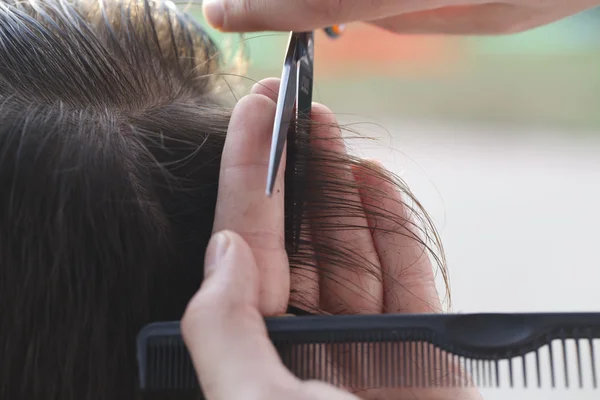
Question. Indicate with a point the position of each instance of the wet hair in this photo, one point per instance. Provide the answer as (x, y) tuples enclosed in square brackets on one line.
[(111, 131)]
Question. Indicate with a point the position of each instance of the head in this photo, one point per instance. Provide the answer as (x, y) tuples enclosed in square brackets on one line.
[(111, 132)]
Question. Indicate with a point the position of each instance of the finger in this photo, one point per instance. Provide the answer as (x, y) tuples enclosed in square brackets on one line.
[(242, 205), (224, 330), (408, 279), (304, 278), (350, 279), (488, 19), (304, 15), (267, 87)]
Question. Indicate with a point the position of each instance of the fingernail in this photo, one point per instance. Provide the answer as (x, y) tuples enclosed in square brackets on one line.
[(216, 250), (214, 12)]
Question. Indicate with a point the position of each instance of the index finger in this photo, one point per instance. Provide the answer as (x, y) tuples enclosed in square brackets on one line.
[(407, 272), (242, 205), (305, 15)]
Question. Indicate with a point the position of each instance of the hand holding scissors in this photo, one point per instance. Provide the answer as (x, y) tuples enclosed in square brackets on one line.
[(402, 16)]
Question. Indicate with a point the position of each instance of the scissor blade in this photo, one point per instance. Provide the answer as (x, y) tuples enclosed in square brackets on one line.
[(284, 113)]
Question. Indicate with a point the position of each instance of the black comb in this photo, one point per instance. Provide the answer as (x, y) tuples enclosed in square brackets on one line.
[(425, 350)]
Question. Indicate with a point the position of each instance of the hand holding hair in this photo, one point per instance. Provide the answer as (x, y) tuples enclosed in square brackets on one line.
[(401, 16), (227, 338), (247, 274)]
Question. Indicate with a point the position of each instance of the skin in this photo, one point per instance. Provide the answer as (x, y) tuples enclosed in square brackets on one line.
[(401, 16), (248, 277)]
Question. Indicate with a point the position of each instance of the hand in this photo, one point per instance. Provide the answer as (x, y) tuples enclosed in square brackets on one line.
[(246, 276), (227, 338), (223, 326), (402, 16)]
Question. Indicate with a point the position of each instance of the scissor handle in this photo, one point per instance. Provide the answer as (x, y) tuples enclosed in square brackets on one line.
[(335, 30)]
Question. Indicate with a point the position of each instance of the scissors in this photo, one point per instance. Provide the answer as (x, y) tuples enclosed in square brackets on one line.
[(295, 98)]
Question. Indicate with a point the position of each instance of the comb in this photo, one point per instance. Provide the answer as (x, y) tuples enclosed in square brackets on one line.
[(405, 350)]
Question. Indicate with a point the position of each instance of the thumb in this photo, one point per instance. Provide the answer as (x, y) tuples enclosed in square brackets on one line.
[(223, 328)]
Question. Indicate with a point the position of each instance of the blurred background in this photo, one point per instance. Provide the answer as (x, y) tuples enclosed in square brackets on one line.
[(499, 137)]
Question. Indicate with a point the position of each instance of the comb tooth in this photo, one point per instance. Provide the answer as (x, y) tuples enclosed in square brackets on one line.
[(431, 364), (415, 363), (537, 367), (393, 367), (296, 363), (172, 365), (169, 374), (354, 375), (398, 360), (578, 351), (453, 361), (423, 363), (331, 362), (524, 371), (510, 371), (427, 365), (441, 366), (325, 353), (313, 360), (449, 367), (465, 367), (490, 366), (167, 360), (363, 352), (300, 363), (322, 357), (294, 359), (325, 358), (405, 375), (377, 372), (179, 360), (566, 366), (382, 367), (551, 355), (306, 362), (408, 361), (338, 356), (161, 362), (467, 381), (593, 360), (361, 359), (483, 374), (387, 369), (414, 373), (477, 364), (497, 371), (435, 365), (471, 364), (461, 372), (370, 366)]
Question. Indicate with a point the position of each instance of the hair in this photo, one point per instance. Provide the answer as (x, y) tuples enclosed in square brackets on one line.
[(111, 132)]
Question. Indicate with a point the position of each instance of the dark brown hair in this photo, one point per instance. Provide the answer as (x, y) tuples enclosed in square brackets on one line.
[(111, 131)]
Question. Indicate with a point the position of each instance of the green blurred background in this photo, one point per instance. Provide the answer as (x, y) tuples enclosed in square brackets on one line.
[(547, 76)]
